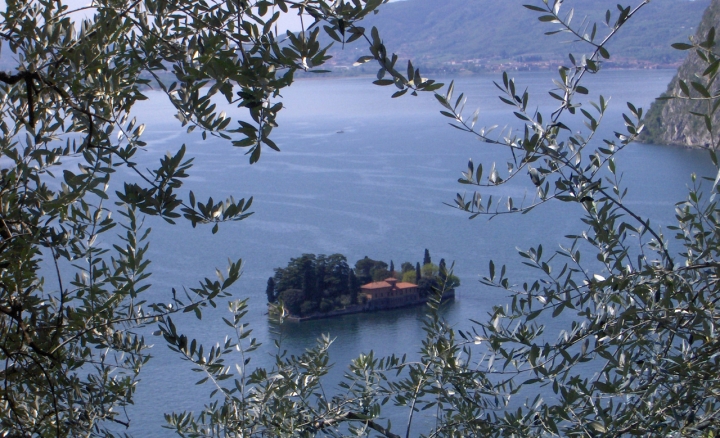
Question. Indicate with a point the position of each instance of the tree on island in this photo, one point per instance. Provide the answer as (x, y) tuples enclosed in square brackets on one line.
[(293, 300), (320, 286), (442, 271), (353, 287), (321, 278), (309, 280), (292, 276), (426, 258), (430, 270), (427, 286), (270, 291), (409, 277), (336, 278), (369, 270)]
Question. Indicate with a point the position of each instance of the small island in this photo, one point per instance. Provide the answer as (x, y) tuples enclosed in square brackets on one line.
[(320, 286)]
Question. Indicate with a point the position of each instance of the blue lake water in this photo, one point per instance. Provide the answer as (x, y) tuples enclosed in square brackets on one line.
[(362, 174)]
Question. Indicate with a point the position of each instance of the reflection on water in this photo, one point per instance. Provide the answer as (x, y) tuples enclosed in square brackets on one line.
[(360, 332)]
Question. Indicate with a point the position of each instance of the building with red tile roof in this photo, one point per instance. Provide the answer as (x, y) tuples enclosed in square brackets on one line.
[(389, 294)]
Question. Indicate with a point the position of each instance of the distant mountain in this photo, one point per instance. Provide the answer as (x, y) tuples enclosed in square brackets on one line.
[(670, 121), (482, 34)]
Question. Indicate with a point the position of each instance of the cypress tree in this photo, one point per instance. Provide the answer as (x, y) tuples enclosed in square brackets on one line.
[(426, 259), (392, 268), (353, 286), (270, 291), (442, 272), (418, 276)]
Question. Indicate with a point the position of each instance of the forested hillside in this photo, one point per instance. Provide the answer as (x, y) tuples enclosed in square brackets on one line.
[(482, 34)]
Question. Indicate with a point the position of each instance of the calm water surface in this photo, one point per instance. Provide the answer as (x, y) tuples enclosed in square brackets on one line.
[(362, 174)]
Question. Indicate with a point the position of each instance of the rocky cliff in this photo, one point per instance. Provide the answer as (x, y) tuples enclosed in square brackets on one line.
[(670, 121)]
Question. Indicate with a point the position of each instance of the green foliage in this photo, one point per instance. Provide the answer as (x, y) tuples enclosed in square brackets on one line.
[(426, 258), (406, 266), (380, 274), (632, 359), (368, 270), (353, 287), (321, 278), (637, 348), (293, 299), (430, 270), (409, 276), (638, 355), (270, 290), (427, 285), (70, 347), (326, 305), (307, 307), (292, 276), (334, 284), (336, 276)]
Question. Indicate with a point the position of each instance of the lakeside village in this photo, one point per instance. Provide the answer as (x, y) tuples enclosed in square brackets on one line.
[(319, 286)]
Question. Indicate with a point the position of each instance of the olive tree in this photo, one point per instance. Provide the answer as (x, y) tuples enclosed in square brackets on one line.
[(73, 266), (639, 354), (72, 295)]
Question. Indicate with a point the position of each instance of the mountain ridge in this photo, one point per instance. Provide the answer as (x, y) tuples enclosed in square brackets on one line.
[(477, 35)]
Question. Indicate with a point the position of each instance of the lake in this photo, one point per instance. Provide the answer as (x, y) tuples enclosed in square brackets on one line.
[(362, 174)]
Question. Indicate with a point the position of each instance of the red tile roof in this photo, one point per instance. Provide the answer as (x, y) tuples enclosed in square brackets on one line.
[(384, 284), (403, 285), (376, 285)]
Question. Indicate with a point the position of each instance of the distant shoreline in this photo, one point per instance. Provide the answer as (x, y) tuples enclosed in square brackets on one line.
[(453, 70), (459, 69)]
